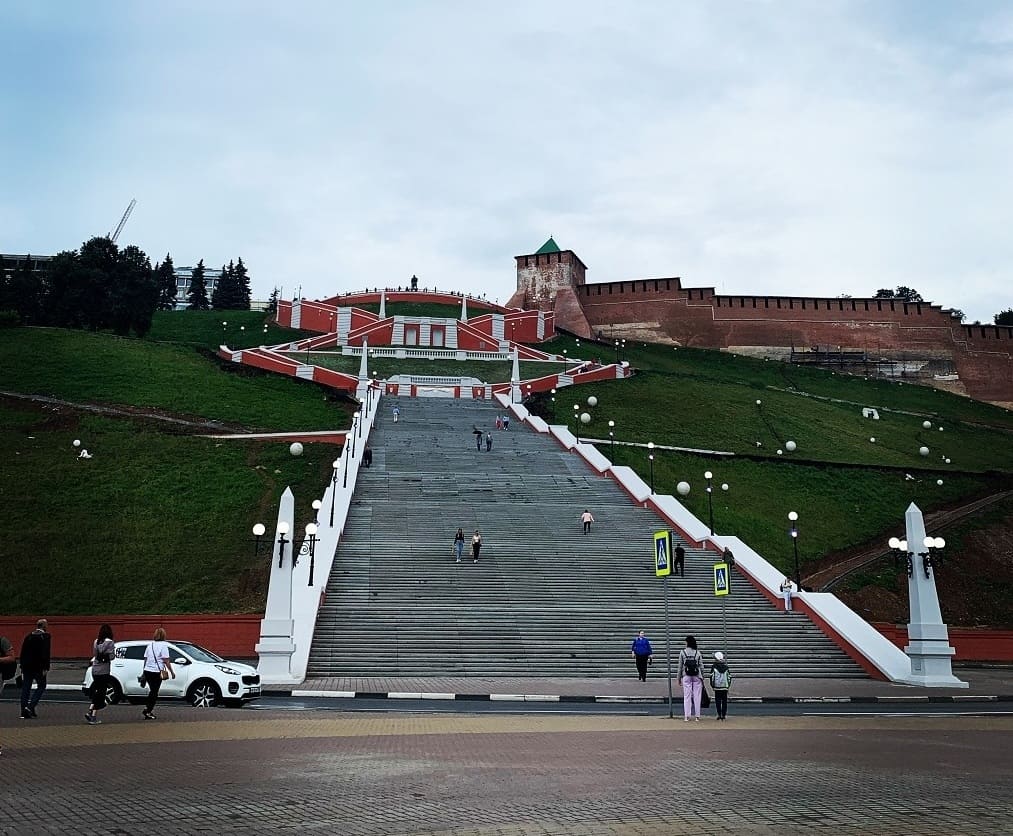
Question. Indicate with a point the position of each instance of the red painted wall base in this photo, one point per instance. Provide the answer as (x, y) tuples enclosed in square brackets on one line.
[(971, 644)]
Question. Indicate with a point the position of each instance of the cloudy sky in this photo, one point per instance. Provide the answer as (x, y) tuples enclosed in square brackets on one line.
[(784, 147)]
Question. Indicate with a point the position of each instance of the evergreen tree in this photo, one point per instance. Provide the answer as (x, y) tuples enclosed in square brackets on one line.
[(229, 298), (272, 302), (165, 277), (197, 295), (216, 294), (25, 292), (243, 282), (134, 293), (1004, 317)]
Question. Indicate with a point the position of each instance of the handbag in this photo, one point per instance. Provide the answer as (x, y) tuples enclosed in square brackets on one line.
[(705, 698)]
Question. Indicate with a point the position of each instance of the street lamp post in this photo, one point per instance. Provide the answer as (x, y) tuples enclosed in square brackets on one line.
[(710, 498), (258, 533), (576, 422), (355, 425), (617, 352), (225, 326), (282, 531), (793, 517), (311, 538), (612, 449), (335, 466), (650, 458)]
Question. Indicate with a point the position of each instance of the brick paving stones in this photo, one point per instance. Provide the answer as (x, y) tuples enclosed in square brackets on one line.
[(267, 771)]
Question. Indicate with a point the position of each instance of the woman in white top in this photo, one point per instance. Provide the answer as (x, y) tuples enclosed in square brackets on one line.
[(156, 660), (786, 587)]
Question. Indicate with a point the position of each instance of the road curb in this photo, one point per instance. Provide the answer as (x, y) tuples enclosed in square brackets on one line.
[(632, 700)]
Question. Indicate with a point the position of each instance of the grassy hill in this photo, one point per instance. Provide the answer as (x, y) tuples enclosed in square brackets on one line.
[(158, 520)]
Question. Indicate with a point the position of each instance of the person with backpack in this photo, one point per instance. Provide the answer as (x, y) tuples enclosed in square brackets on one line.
[(691, 679), (721, 682), (103, 649)]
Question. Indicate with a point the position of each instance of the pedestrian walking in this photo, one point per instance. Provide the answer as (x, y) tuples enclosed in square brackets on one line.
[(35, 655), (8, 665), (641, 651), (506, 421), (721, 682), (680, 561), (459, 544), (586, 519), (397, 412), (691, 679), (157, 667), (499, 422), (478, 438), (476, 546), (488, 442), (102, 651), (367, 457), (786, 587)]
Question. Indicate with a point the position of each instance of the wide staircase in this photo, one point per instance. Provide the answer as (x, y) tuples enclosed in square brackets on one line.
[(544, 599)]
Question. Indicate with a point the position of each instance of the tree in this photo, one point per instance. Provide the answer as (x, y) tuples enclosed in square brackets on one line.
[(133, 293), (1004, 317), (905, 294), (958, 314), (243, 282), (272, 302), (227, 295), (165, 278), (25, 292), (197, 295)]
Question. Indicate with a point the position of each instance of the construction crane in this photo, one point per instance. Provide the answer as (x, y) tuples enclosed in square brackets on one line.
[(119, 227)]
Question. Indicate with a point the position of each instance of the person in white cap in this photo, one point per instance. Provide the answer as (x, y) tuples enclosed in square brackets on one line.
[(721, 681)]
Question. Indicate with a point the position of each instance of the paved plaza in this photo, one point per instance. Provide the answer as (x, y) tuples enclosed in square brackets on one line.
[(274, 771)]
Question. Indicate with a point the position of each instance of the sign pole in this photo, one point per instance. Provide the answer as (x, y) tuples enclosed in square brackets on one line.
[(662, 569), (668, 651), (722, 578)]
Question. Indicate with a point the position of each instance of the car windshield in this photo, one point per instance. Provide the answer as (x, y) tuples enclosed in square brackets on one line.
[(198, 653)]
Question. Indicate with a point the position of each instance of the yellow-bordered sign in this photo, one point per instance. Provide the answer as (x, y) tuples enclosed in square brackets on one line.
[(662, 553), (720, 578)]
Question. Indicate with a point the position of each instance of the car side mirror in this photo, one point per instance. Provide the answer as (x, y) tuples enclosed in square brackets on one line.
[(180, 661)]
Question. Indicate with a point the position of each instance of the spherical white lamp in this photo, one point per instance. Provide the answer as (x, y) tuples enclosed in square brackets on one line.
[(758, 402), (258, 530), (790, 446), (585, 418), (872, 440), (592, 401), (923, 451), (295, 448), (893, 543), (939, 482), (682, 488), (724, 486), (77, 442), (927, 425), (780, 452)]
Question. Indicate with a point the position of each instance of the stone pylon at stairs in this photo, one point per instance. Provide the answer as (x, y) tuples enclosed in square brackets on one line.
[(544, 599)]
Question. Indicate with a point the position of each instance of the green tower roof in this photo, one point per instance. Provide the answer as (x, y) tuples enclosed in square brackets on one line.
[(549, 246)]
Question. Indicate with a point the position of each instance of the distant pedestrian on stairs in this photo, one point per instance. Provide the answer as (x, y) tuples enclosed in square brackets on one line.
[(506, 421), (499, 422), (680, 561), (587, 519), (641, 652), (488, 442), (786, 588), (478, 437), (476, 546), (397, 412), (459, 544)]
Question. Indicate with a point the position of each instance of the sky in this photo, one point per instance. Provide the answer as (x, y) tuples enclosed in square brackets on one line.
[(788, 147)]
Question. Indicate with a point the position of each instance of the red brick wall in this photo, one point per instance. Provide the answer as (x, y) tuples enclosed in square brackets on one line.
[(972, 645), (226, 635)]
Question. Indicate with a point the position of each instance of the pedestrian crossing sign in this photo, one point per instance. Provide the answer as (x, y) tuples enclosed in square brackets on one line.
[(662, 553), (720, 578)]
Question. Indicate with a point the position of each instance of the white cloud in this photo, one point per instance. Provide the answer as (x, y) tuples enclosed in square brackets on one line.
[(755, 147)]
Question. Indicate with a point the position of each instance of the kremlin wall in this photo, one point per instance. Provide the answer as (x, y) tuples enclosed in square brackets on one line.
[(916, 341)]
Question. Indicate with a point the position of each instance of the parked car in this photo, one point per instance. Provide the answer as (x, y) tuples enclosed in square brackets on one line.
[(202, 678)]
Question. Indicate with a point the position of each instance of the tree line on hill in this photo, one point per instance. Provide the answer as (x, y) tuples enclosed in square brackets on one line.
[(103, 287)]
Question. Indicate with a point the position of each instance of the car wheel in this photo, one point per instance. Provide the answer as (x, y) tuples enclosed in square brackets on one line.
[(203, 694), (114, 693)]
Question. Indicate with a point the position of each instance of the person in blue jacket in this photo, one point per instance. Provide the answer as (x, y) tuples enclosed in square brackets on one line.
[(640, 650)]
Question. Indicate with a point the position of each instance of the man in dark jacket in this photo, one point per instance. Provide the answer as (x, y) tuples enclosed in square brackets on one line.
[(35, 656)]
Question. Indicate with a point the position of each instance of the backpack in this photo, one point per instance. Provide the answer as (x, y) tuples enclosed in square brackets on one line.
[(719, 679), (692, 665)]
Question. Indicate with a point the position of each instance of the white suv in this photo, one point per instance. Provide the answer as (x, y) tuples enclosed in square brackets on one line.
[(202, 678)]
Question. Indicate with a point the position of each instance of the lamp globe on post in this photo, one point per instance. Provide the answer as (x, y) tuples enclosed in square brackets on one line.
[(650, 458), (576, 421), (283, 529), (311, 539), (258, 533), (612, 449), (335, 467), (710, 498), (793, 518)]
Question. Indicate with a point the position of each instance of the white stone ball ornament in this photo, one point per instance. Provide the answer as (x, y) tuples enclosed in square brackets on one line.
[(295, 448)]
